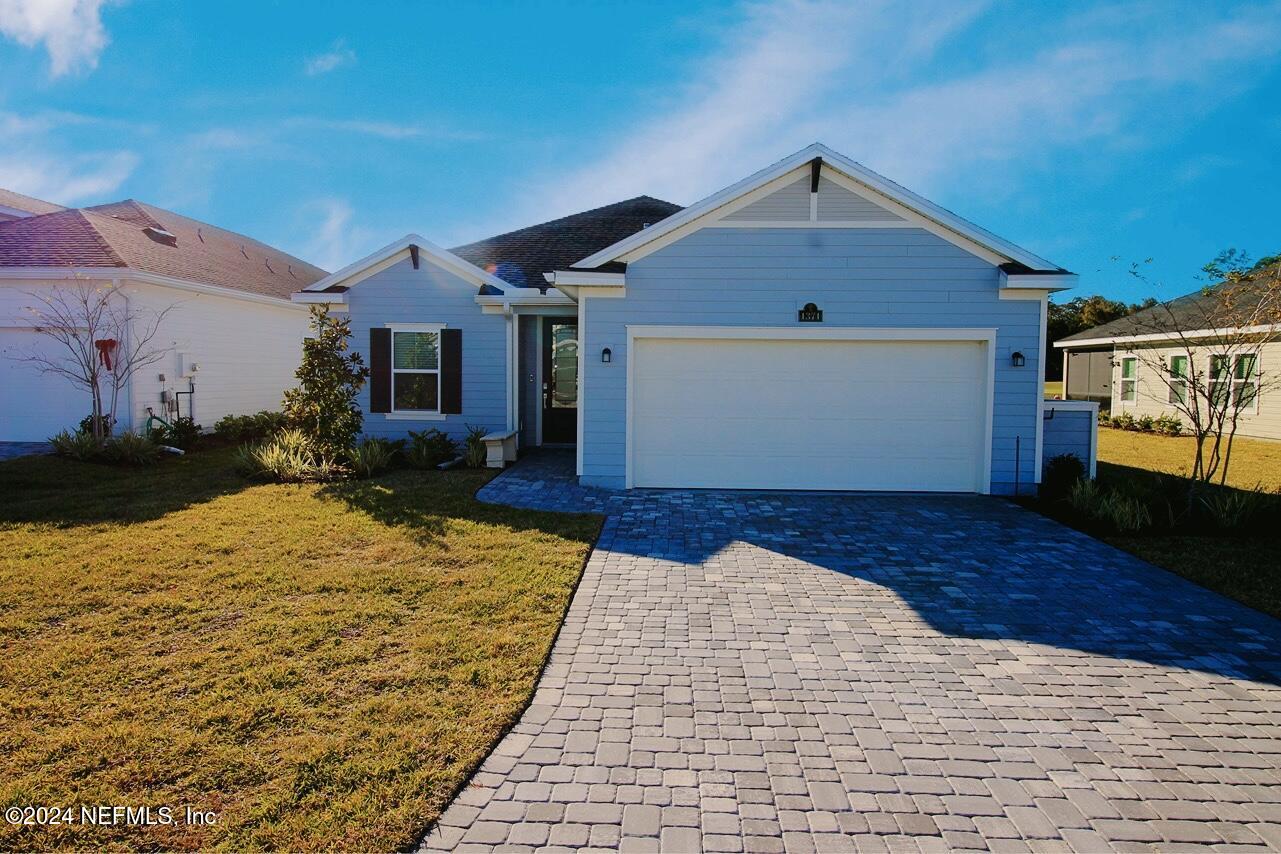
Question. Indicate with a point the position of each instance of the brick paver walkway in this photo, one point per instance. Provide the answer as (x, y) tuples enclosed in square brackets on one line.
[(769, 672)]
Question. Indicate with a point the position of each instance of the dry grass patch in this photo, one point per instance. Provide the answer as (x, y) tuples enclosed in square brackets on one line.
[(322, 665), (1254, 461)]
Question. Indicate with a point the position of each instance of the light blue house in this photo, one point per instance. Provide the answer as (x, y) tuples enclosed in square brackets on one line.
[(814, 326)]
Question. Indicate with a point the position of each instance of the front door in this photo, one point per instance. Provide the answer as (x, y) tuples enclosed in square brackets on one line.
[(560, 380)]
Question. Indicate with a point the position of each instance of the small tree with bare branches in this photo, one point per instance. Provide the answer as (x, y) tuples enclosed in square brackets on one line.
[(1205, 348), (103, 341)]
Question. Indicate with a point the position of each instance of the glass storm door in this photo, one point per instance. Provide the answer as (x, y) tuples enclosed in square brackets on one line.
[(560, 380)]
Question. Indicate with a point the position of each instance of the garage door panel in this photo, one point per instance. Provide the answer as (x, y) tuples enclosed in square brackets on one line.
[(786, 414)]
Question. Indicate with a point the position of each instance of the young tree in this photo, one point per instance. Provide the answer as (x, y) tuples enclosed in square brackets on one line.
[(324, 404), (1205, 350), (104, 340)]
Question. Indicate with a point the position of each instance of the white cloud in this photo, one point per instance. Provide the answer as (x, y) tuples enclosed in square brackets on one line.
[(35, 160), (66, 179), (335, 240), (70, 30), (334, 58), (384, 130), (882, 83)]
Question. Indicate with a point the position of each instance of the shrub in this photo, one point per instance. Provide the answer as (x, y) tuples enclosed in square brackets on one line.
[(475, 448), (1105, 419), (80, 445), (1231, 510), (1060, 474), (1124, 421), (131, 449), (1145, 423), (245, 428), (182, 433), (289, 457), (430, 448), (106, 421), (1109, 508), (1169, 425), (324, 404), (372, 456)]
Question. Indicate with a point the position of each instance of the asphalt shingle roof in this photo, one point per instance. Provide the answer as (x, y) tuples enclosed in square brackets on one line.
[(115, 235), (17, 201), (521, 257), (1184, 313)]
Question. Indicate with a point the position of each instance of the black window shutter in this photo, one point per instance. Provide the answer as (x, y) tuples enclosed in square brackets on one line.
[(451, 371), (380, 370)]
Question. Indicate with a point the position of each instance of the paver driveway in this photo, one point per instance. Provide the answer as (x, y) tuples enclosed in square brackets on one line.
[(765, 672)]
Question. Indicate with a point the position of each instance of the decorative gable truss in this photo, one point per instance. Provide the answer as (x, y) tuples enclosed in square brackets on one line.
[(832, 206), (819, 188)]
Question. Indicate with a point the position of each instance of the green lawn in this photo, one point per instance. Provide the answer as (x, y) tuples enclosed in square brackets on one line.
[(321, 665), (1245, 568)]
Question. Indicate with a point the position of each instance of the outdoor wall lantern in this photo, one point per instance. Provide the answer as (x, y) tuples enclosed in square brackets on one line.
[(1016, 359), (606, 355)]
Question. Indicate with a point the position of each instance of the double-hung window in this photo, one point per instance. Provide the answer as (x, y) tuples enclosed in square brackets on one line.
[(1178, 379), (415, 368), (1245, 382), (1220, 382), (1129, 379)]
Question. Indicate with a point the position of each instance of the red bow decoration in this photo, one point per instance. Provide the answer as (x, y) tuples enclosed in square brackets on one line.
[(106, 346)]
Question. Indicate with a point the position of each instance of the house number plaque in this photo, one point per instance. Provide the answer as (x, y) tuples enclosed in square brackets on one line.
[(810, 314)]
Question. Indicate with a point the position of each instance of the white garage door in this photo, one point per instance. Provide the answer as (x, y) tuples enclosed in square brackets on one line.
[(809, 414), (34, 406)]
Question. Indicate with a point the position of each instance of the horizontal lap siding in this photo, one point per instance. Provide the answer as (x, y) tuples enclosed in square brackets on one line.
[(248, 353), (1153, 395), (1069, 432), (401, 294), (895, 277)]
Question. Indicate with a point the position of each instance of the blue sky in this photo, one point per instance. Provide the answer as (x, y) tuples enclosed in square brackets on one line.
[(1081, 131)]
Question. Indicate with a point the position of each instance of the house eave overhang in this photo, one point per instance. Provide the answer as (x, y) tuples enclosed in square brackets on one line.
[(517, 297), (1050, 281), (1169, 336), (940, 218), (139, 276)]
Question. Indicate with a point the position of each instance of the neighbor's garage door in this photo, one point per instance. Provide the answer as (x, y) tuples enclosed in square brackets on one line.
[(34, 406), (809, 414)]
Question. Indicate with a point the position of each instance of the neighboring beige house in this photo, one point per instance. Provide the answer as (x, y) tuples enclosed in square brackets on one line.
[(1134, 385), (232, 339)]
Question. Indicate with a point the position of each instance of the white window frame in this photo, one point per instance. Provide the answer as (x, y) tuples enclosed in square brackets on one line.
[(1237, 383), (1121, 381), (416, 414), (1175, 380)]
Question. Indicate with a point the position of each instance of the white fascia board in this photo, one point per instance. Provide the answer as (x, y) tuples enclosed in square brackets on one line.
[(515, 297), (1263, 329), (108, 274), (306, 298), (392, 253), (586, 279), (1052, 282), (852, 170)]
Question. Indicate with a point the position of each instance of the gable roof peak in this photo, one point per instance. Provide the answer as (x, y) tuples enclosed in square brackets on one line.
[(932, 216)]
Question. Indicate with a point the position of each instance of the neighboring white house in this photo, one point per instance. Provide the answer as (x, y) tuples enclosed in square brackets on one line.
[(232, 337), (1110, 355)]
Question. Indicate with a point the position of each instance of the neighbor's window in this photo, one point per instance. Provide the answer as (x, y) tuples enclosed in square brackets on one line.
[(1129, 378), (1245, 381), (1178, 379), (415, 371)]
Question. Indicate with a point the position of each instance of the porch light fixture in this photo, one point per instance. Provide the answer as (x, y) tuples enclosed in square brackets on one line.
[(1016, 359), (606, 355)]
